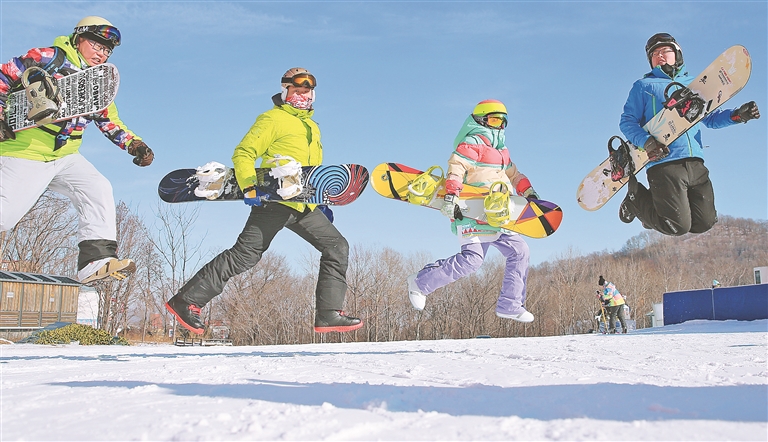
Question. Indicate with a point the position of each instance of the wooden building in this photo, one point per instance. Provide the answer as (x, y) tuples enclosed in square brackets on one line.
[(31, 300)]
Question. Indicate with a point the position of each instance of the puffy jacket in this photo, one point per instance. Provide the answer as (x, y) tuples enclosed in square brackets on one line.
[(39, 144), (481, 158), (282, 130), (611, 295), (646, 99)]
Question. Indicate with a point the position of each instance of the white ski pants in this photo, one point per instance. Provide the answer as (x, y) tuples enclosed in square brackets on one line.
[(22, 182)]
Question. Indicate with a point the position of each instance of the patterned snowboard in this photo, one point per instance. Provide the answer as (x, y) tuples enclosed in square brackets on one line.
[(720, 81), (85, 92), (334, 185), (533, 218)]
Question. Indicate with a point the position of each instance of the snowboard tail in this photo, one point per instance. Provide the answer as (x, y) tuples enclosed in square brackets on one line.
[(333, 185), (684, 108), (529, 217)]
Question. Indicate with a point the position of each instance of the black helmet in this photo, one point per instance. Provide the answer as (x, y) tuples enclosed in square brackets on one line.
[(663, 39)]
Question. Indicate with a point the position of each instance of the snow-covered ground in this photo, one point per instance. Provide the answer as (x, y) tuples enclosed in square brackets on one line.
[(695, 381)]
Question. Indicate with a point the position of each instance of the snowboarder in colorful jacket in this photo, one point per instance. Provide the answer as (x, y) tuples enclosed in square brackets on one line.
[(613, 303), (480, 158), (680, 198), (285, 138), (47, 157)]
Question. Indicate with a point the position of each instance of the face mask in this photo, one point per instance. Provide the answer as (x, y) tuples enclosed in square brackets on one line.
[(301, 102)]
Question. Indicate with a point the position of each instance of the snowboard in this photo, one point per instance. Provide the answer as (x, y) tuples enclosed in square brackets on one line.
[(82, 93), (720, 81), (333, 185), (529, 217)]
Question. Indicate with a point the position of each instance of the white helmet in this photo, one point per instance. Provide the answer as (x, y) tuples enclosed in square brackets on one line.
[(98, 29)]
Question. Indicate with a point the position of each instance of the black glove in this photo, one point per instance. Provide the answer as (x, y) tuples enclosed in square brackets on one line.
[(6, 133), (655, 150), (142, 153), (746, 112)]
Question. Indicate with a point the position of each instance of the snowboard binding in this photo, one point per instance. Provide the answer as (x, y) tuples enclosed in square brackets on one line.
[(288, 173), (687, 103), (42, 93), (422, 189), (211, 179), (620, 158), (496, 205)]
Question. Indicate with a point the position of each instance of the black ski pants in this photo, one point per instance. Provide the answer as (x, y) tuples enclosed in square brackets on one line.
[(680, 199), (263, 224)]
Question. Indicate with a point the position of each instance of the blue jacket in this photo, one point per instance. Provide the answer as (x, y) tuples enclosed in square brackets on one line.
[(646, 99)]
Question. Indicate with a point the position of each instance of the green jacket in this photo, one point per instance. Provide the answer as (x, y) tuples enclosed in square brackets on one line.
[(38, 144), (282, 130)]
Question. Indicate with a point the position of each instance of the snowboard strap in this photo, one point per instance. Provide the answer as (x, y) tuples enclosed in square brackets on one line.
[(496, 205), (620, 159), (688, 104), (423, 187)]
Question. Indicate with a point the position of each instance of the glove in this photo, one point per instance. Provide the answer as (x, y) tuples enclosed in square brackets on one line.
[(654, 149), (746, 112), (142, 153), (6, 133), (326, 211), (450, 208), (253, 196), (530, 194)]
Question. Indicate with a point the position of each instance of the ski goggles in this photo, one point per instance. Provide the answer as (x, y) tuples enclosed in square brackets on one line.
[(496, 120), (105, 32), (301, 80)]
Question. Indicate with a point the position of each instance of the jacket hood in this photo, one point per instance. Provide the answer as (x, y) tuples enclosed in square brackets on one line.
[(472, 127), (64, 42), (300, 113)]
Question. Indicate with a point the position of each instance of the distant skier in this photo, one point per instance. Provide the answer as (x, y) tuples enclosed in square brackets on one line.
[(680, 198), (47, 156), (285, 138), (480, 158), (613, 303)]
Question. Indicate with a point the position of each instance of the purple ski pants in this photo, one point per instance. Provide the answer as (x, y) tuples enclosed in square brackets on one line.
[(515, 250)]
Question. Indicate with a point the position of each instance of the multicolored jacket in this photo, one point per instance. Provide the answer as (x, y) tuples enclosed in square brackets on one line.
[(480, 158), (611, 295), (282, 130), (40, 143), (646, 99)]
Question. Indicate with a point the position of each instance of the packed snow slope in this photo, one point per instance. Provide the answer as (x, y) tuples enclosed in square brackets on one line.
[(696, 381)]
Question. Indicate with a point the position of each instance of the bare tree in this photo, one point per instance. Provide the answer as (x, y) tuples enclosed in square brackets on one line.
[(44, 240)]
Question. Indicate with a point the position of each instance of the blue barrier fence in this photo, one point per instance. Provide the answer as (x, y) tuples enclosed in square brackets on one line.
[(745, 303)]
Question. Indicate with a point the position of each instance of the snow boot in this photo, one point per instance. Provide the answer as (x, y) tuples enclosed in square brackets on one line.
[(105, 268), (627, 208), (525, 316), (187, 314), (335, 320), (418, 299)]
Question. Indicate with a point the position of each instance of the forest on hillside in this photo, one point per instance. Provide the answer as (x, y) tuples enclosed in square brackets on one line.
[(272, 304)]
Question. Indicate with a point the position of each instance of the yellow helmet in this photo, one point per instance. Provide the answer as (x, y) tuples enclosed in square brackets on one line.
[(491, 114), (486, 107), (98, 29)]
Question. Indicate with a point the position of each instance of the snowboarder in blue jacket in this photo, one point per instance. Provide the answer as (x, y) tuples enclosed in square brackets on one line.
[(680, 197)]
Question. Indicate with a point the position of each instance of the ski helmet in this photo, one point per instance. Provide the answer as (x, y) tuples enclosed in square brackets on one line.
[(663, 39), (99, 30), (298, 77), (493, 110)]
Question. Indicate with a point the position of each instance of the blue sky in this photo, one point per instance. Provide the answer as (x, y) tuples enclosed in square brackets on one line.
[(396, 81)]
